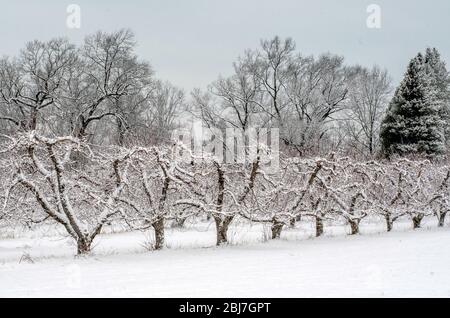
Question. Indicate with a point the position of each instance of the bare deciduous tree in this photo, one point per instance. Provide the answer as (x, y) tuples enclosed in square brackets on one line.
[(368, 99), (32, 83), (110, 71), (81, 200)]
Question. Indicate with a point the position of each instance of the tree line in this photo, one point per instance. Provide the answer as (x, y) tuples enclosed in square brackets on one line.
[(146, 187), (102, 92)]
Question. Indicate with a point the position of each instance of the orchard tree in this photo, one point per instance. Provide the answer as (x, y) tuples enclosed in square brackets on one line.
[(82, 200), (280, 198), (219, 188), (154, 182), (346, 183)]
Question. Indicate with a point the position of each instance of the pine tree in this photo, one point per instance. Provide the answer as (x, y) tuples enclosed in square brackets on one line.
[(413, 124), (440, 79)]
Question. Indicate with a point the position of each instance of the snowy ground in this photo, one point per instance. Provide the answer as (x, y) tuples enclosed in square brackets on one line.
[(403, 263)]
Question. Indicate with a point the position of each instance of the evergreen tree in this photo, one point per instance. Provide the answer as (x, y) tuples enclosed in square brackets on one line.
[(440, 79), (413, 124)]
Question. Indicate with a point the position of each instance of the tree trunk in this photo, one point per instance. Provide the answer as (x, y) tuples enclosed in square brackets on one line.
[(417, 220), (222, 225), (442, 219), (33, 120), (83, 246), (158, 226), (81, 132), (120, 132), (354, 225), (319, 226), (277, 227), (389, 223), (294, 220), (179, 222)]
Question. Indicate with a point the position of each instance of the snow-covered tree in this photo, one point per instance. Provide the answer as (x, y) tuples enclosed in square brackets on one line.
[(413, 123), (80, 197), (154, 182), (438, 191), (418, 190), (435, 67), (282, 197), (346, 183), (385, 191), (220, 188)]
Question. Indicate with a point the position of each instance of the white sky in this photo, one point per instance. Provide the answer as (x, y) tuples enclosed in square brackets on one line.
[(191, 42)]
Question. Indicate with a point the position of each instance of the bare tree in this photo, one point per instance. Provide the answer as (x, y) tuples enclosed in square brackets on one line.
[(368, 99), (272, 65), (442, 188), (154, 182), (219, 188), (81, 200), (317, 90), (282, 197), (164, 111), (32, 83), (110, 70)]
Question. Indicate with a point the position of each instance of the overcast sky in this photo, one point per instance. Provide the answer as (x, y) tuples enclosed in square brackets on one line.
[(191, 42)]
